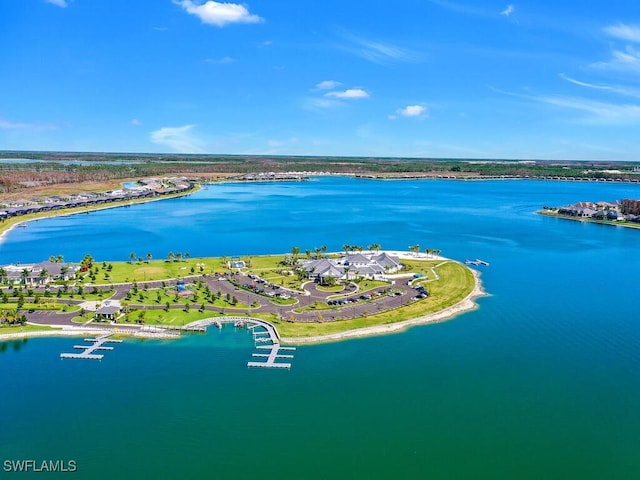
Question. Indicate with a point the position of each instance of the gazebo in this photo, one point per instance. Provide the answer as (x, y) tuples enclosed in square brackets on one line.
[(107, 312)]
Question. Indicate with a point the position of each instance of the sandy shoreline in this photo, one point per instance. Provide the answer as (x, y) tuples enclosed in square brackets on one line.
[(465, 305), (62, 332)]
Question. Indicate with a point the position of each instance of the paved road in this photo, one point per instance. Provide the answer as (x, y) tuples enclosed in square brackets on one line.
[(309, 296)]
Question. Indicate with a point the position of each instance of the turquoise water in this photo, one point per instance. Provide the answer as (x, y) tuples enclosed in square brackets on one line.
[(542, 381)]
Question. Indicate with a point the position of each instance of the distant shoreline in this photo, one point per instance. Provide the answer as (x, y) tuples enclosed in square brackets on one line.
[(9, 224), (611, 223)]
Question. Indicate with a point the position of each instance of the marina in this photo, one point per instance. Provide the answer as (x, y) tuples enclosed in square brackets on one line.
[(263, 333)]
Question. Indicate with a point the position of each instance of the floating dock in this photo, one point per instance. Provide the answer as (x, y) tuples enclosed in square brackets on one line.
[(477, 261), (87, 350), (263, 333)]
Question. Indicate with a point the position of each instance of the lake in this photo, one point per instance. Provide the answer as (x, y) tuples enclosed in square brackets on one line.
[(541, 381)]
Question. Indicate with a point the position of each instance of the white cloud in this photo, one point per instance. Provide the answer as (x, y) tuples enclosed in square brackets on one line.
[(458, 7), (9, 125), (508, 11), (624, 61), (319, 104), (630, 33), (377, 52), (602, 113), (179, 139), (219, 14), (328, 85), (631, 92), (135, 122), (58, 3), (221, 61), (627, 60), (349, 93), (415, 111)]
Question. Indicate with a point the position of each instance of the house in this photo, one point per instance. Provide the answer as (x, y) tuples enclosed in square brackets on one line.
[(615, 215), (39, 273)]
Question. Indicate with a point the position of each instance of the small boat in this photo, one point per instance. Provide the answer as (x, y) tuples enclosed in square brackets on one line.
[(22, 225)]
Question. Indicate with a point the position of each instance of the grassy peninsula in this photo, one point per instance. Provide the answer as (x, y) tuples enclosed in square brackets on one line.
[(178, 290)]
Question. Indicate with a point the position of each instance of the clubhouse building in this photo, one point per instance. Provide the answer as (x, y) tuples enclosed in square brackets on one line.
[(372, 266)]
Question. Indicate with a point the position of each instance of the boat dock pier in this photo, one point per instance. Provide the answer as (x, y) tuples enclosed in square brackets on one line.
[(263, 333), (87, 350), (477, 261)]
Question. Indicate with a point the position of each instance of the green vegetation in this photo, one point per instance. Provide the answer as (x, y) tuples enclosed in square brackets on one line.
[(107, 273), (448, 283), (333, 288), (171, 318), (455, 283), (5, 329)]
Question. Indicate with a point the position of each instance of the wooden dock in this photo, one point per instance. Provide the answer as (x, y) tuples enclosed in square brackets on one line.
[(87, 350)]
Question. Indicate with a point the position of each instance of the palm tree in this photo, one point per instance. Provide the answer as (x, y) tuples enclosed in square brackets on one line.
[(178, 256), (149, 257), (308, 253), (24, 275), (42, 275), (171, 256), (132, 257), (346, 247), (186, 255), (87, 262), (375, 246), (3, 275), (323, 248)]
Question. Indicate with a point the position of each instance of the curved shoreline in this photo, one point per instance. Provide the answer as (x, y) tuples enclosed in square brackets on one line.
[(466, 304), (5, 229)]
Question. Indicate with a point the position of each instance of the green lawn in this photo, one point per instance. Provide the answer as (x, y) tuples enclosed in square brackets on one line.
[(31, 306), (162, 296), (24, 328), (331, 289), (456, 282), (123, 272), (174, 317)]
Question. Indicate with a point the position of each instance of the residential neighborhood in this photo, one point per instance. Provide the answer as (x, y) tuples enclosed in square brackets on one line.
[(37, 274), (145, 188), (619, 211)]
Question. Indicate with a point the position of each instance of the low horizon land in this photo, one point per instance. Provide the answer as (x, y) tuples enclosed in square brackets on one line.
[(37, 174)]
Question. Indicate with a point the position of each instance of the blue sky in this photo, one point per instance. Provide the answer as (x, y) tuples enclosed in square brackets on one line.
[(422, 78)]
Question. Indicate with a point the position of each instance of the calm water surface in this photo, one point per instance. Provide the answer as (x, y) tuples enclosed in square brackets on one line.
[(542, 381)]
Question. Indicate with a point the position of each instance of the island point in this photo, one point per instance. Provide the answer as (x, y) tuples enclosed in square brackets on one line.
[(315, 296)]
